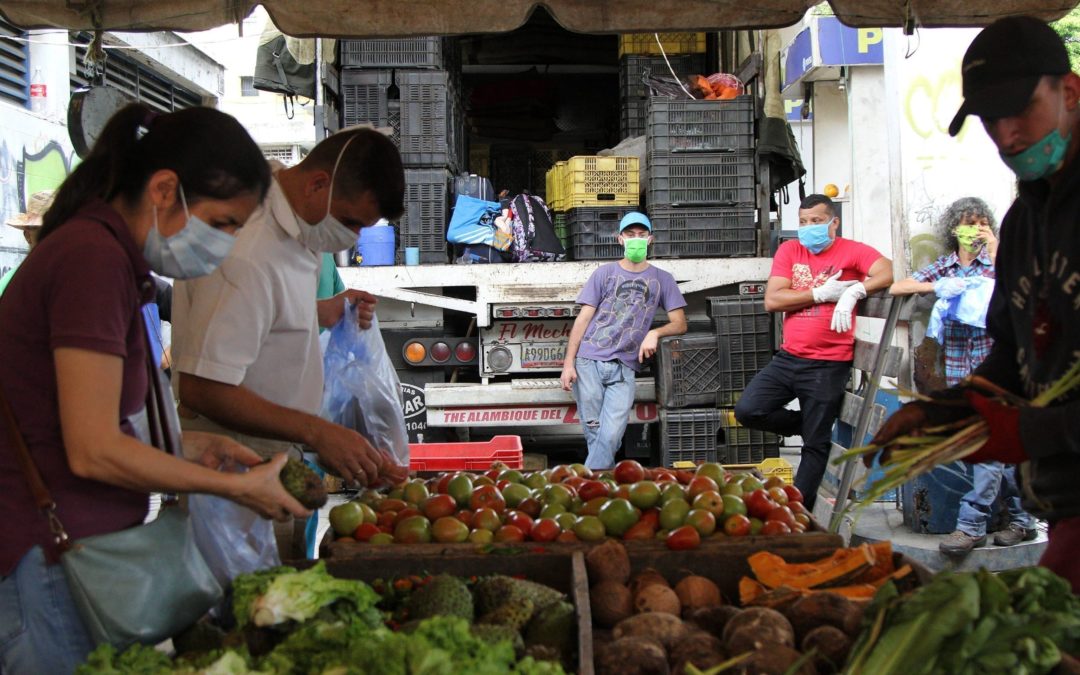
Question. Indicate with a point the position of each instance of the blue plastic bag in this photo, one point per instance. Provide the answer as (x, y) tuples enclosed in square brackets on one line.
[(362, 389), (473, 221)]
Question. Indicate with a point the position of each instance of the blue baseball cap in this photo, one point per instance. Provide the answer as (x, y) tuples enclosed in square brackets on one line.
[(635, 218)]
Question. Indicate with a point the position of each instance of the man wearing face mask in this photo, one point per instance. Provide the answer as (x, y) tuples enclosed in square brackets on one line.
[(1018, 81), (246, 345), (968, 226), (613, 335), (816, 282)]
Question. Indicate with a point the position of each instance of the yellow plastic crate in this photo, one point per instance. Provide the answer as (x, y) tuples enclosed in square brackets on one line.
[(554, 186), (773, 466), (674, 43), (600, 181)]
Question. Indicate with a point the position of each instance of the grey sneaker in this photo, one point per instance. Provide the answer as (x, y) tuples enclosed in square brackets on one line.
[(1014, 534), (959, 543)]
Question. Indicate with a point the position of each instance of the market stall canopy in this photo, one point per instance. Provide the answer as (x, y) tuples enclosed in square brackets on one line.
[(390, 18)]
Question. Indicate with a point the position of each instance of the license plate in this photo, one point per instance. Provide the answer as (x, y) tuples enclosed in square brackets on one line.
[(542, 355)]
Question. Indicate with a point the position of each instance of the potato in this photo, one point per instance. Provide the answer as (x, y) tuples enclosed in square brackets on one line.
[(667, 629), (766, 625), (631, 656), (832, 646)]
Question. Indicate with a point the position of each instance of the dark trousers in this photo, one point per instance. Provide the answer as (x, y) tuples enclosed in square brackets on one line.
[(819, 386)]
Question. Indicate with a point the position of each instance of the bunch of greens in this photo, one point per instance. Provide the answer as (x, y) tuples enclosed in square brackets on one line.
[(283, 594), (1016, 623)]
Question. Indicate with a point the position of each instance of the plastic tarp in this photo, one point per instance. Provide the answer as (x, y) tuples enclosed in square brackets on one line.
[(401, 18)]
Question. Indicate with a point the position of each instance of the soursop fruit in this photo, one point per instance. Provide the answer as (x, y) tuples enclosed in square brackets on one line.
[(444, 595), (303, 483), (514, 614), (496, 590), (554, 626)]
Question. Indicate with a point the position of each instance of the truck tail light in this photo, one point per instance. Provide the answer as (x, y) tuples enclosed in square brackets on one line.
[(444, 351), (440, 352), (415, 352), (465, 352), (500, 359)]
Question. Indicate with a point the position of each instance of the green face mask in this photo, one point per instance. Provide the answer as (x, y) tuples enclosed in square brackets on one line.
[(968, 237), (635, 249)]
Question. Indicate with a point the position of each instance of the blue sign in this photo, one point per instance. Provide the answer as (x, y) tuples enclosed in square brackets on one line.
[(841, 45), (793, 110), (799, 58)]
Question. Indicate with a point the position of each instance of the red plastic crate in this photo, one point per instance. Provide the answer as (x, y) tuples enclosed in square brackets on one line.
[(466, 456)]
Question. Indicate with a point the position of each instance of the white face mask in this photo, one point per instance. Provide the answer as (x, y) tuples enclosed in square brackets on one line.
[(329, 235)]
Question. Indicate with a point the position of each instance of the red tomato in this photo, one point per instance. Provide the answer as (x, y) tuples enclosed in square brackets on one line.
[(519, 520), (545, 529), (487, 497), (366, 531), (530, 506), (759, 504), (386, 519), (390, 505), (438, 506), (509, 533), (440, 486), (665, 476), (567, 536), (684, 477), (640, 530), (591, 489), (782, 514), (773, 527), (406, 513), (493, 474), (737, 525), (778, 495), (652, 517), (802, 519), (465, 516), (794, 494), (629, 471), (574, 482), (699, 484), (683, 538), (798, 507)]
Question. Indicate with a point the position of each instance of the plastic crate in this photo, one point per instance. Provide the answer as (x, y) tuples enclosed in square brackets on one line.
[(364, 97), (746, 446), (703, 233), (632, 120), (768, 467), (689, 435), (632, 68), (475, 456), (744, 332), (562, 230), (687, 370), (600, 181), (429, 124), (700, 126), (554, 178), (594, 231), (416, 52), (423, 224), (705, 179), (673, 43)]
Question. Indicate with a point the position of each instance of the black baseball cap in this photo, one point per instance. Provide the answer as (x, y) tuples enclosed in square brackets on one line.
[(1003, 66)]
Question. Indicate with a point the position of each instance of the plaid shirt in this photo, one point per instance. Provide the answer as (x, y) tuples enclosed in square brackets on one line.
[(965, 346)]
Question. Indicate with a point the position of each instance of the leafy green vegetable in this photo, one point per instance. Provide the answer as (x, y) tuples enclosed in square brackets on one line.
[(136, 660), (247, 587), (298, 596)]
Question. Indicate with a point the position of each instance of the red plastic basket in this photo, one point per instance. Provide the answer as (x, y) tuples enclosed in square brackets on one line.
[(466, 456)]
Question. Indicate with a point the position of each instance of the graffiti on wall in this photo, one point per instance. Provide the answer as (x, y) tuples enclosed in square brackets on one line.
[(24, 171)]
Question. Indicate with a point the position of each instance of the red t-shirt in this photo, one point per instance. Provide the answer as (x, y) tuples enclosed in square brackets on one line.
[(807, 332), (81, 287)]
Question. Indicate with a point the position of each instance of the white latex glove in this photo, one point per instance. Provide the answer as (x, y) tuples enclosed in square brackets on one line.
[(832, 289), (841, 317), (949, 287)]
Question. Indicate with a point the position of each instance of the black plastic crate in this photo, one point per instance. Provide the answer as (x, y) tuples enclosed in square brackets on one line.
[(702, 179), (744, 333), (580, 250), (717, 232), (632, 119), (423, 224), (746, 446), (633, 66), (364, 97), (740, 315), (687, 370), (594, 230), (689, 435), (416, 52), (700, 126)]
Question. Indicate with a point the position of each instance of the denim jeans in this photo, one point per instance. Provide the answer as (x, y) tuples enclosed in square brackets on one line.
[(40, 629), (819, 387), (604, 391), (977, 506)]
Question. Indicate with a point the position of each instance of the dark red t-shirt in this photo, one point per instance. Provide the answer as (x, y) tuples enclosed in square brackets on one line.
[(81, 287)]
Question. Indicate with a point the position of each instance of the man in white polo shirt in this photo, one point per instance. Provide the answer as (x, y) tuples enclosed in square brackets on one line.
[(246, 345)]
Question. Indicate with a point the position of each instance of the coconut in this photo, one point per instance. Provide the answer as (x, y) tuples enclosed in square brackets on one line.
[(647, 577), (611, 602), (632, 656), (608, 562), (657, 598), (666, 629), (697, 592)]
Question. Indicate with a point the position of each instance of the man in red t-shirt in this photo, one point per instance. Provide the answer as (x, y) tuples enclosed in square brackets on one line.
[(816, 282)]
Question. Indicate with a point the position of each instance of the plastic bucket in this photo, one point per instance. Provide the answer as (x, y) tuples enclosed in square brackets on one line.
[(376, 246)]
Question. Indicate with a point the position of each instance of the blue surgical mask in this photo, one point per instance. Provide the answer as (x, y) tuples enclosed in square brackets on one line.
[(1041, 159), (194, 251), (815, 237)]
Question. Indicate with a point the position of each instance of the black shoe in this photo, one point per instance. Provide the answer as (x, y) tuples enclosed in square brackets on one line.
[(1014, 534), (960, 543)]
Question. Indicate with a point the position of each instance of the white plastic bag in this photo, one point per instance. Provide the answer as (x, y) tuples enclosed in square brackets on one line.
[(233, 539), (362, 389)]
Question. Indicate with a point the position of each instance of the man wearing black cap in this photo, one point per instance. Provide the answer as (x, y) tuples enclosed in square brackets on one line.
[(1017, 80)]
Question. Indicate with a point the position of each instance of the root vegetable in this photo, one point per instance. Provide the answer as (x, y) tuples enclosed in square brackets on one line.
[(657, 598), (832, 647), (647, 577), (713, 619), (699, 648), (697, 592), (632, 656), (824, 609), (776, 660), (667, 629), (763, 625), (608, 562), (611, 602)]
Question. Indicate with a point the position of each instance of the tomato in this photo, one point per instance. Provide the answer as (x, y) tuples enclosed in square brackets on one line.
[(778, 495), (365, 531), (545, 529), (802, 519), (737, 525), (684, 477), (487, 497), (412, 530), (493, 474), (486, 519), (465, 516), (440, 486), (774, 481), (520, 520), (755, 526), (591, 489), (449, 530), (774, 527), (567, 536), (794, 494), (759, 504), (651, 516), (503, 484), (733, 505), (640, 530), (439, 505), (700, 484), (532, 507), (710, 501), (622, 492), (665, 476), (702, 521), (561, 473), (782, 514), (390, 505), (592, 507), (798, 507), (509, 533), (628, 471), (407, 513), (574, 482), (683, 538), (386, 519)]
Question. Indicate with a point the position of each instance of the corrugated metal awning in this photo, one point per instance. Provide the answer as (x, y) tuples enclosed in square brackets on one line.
[(369, 18)]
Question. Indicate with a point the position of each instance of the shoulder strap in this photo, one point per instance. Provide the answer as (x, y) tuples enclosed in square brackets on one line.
[(41, 495)]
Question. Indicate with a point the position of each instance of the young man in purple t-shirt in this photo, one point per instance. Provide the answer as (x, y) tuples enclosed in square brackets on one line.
[(611, 338)]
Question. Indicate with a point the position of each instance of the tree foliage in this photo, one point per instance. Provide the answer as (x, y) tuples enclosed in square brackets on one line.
[(1068, 27)]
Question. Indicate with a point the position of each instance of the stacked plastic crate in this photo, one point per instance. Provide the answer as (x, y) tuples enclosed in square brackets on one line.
[(595, 193), (702, 177), (744, 335), (412, 85), (639, 55)]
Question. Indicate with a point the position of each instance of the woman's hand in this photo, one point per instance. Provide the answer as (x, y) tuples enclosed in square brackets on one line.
[(261, 490)]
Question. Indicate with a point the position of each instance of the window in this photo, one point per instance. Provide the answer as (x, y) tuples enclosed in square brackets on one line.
[(134, 79), (247, 86), (14, 75), (286, 154)]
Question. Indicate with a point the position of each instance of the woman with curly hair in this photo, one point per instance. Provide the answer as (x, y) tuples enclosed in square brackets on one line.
[(969, 229)]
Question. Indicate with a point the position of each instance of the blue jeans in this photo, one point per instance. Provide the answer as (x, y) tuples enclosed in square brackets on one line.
[(977, 506), (40, 629), (819, 386), (604, 391)]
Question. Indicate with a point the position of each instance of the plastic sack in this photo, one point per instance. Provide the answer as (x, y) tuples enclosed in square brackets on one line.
[(233, 539), (362, 389), (473, 221)]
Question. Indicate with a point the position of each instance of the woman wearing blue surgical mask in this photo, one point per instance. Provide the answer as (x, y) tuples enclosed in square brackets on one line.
[(157, 192)]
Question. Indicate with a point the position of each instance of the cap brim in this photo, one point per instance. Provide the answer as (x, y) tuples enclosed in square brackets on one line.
[(1004, 99)]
